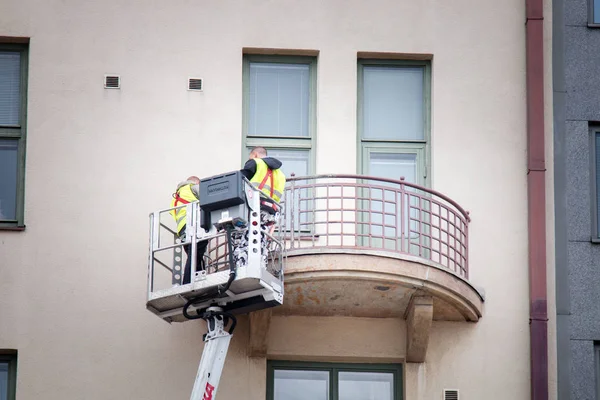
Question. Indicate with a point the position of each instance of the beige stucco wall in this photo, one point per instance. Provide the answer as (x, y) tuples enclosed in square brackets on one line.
[(72, 285)]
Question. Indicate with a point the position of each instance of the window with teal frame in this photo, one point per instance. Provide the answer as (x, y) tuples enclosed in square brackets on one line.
[(333, 381), (394, 119), (279, 109), (393, 116), (13, 122)]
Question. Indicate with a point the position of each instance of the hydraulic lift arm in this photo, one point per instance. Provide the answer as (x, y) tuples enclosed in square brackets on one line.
[(232, 207), (217, 341)]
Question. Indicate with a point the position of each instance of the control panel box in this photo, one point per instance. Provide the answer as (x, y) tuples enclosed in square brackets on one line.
[(222, 191)]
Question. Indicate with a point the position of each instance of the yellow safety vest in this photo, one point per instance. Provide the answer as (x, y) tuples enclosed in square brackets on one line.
[(269, 181), (183, 195)]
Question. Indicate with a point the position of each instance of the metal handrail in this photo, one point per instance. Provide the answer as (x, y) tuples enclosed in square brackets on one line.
[(371, 213), (294, 178)]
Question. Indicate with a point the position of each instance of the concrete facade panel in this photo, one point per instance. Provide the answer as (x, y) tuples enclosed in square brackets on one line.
[(575, 12), (583, 379), (582, 66)]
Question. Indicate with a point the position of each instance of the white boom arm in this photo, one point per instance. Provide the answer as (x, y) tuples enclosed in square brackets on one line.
[(213, 357)]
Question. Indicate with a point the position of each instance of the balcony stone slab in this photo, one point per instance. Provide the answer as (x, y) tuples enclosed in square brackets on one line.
[(367, 283)]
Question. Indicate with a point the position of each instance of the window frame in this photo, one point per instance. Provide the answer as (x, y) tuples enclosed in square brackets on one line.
[(420, 147), (595, 235), (18, 132), (591, 8), (417, 149), (11, 358), (397, 369), (597, 367), (279, 142)]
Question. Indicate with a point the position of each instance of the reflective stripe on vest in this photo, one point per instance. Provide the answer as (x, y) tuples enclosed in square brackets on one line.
[(269, 181), (184, 195)]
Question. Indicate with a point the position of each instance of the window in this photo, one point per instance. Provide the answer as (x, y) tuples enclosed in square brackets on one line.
[(393, 119), (279, 114), (594, 12), (595, 135), (597, 367), (8, 375), (13, 90), (328, 381), (279, 109), (393, 132)]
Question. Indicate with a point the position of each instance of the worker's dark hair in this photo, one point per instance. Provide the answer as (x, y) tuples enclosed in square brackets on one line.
[(260, 151)]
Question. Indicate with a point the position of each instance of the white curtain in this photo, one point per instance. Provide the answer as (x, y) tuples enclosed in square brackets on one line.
[(393, 103), (278, 99)]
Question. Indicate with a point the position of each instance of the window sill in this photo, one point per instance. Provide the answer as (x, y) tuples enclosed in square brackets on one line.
[(10, 227), (593, 24), (596, 240)]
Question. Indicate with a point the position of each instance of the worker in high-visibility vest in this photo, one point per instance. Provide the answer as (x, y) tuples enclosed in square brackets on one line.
[(265, 173), (188, 192)]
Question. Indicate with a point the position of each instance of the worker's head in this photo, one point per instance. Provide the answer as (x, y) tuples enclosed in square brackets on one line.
[(194, 179), (258, 152)]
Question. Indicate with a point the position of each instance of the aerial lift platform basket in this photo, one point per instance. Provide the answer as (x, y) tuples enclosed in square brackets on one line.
[(243, 265)]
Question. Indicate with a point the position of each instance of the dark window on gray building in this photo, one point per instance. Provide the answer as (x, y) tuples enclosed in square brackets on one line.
[(594, 15), (596, 181), (597, 364)]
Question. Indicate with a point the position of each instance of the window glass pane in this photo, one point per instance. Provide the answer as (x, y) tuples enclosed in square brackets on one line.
[(279, 98), (3, 380), (393, 166), (393, 103), (597, 11), (366, 386), (598, 183), (385, 205), (8, 179), (301, 385), (597, 357), (10, 87), (295, 161)]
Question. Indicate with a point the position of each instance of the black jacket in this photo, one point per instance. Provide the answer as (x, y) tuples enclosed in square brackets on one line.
[(250, 167)]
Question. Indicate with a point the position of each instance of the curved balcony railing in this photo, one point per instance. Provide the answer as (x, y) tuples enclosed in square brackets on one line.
[(369, 213)]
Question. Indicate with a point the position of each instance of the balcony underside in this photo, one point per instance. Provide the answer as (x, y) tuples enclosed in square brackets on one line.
[(370, 283), (363, 283)]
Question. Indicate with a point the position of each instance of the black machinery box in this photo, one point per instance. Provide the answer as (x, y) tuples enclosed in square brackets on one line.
[(222, 191)]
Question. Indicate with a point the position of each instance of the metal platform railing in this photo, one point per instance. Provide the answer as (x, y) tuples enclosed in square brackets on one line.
[(257, 258)]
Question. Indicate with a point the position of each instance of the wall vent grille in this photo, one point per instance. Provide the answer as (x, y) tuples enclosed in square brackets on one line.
[(195, 84), (112, 82)]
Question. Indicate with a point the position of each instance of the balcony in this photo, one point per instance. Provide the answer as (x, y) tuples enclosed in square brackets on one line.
[(372, 247), (355, 246)]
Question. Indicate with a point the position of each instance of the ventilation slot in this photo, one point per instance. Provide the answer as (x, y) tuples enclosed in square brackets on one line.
[(112, 82), (450, 394), (195, 84)]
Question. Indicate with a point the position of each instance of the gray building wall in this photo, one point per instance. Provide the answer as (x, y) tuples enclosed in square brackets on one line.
[(576, 80)]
